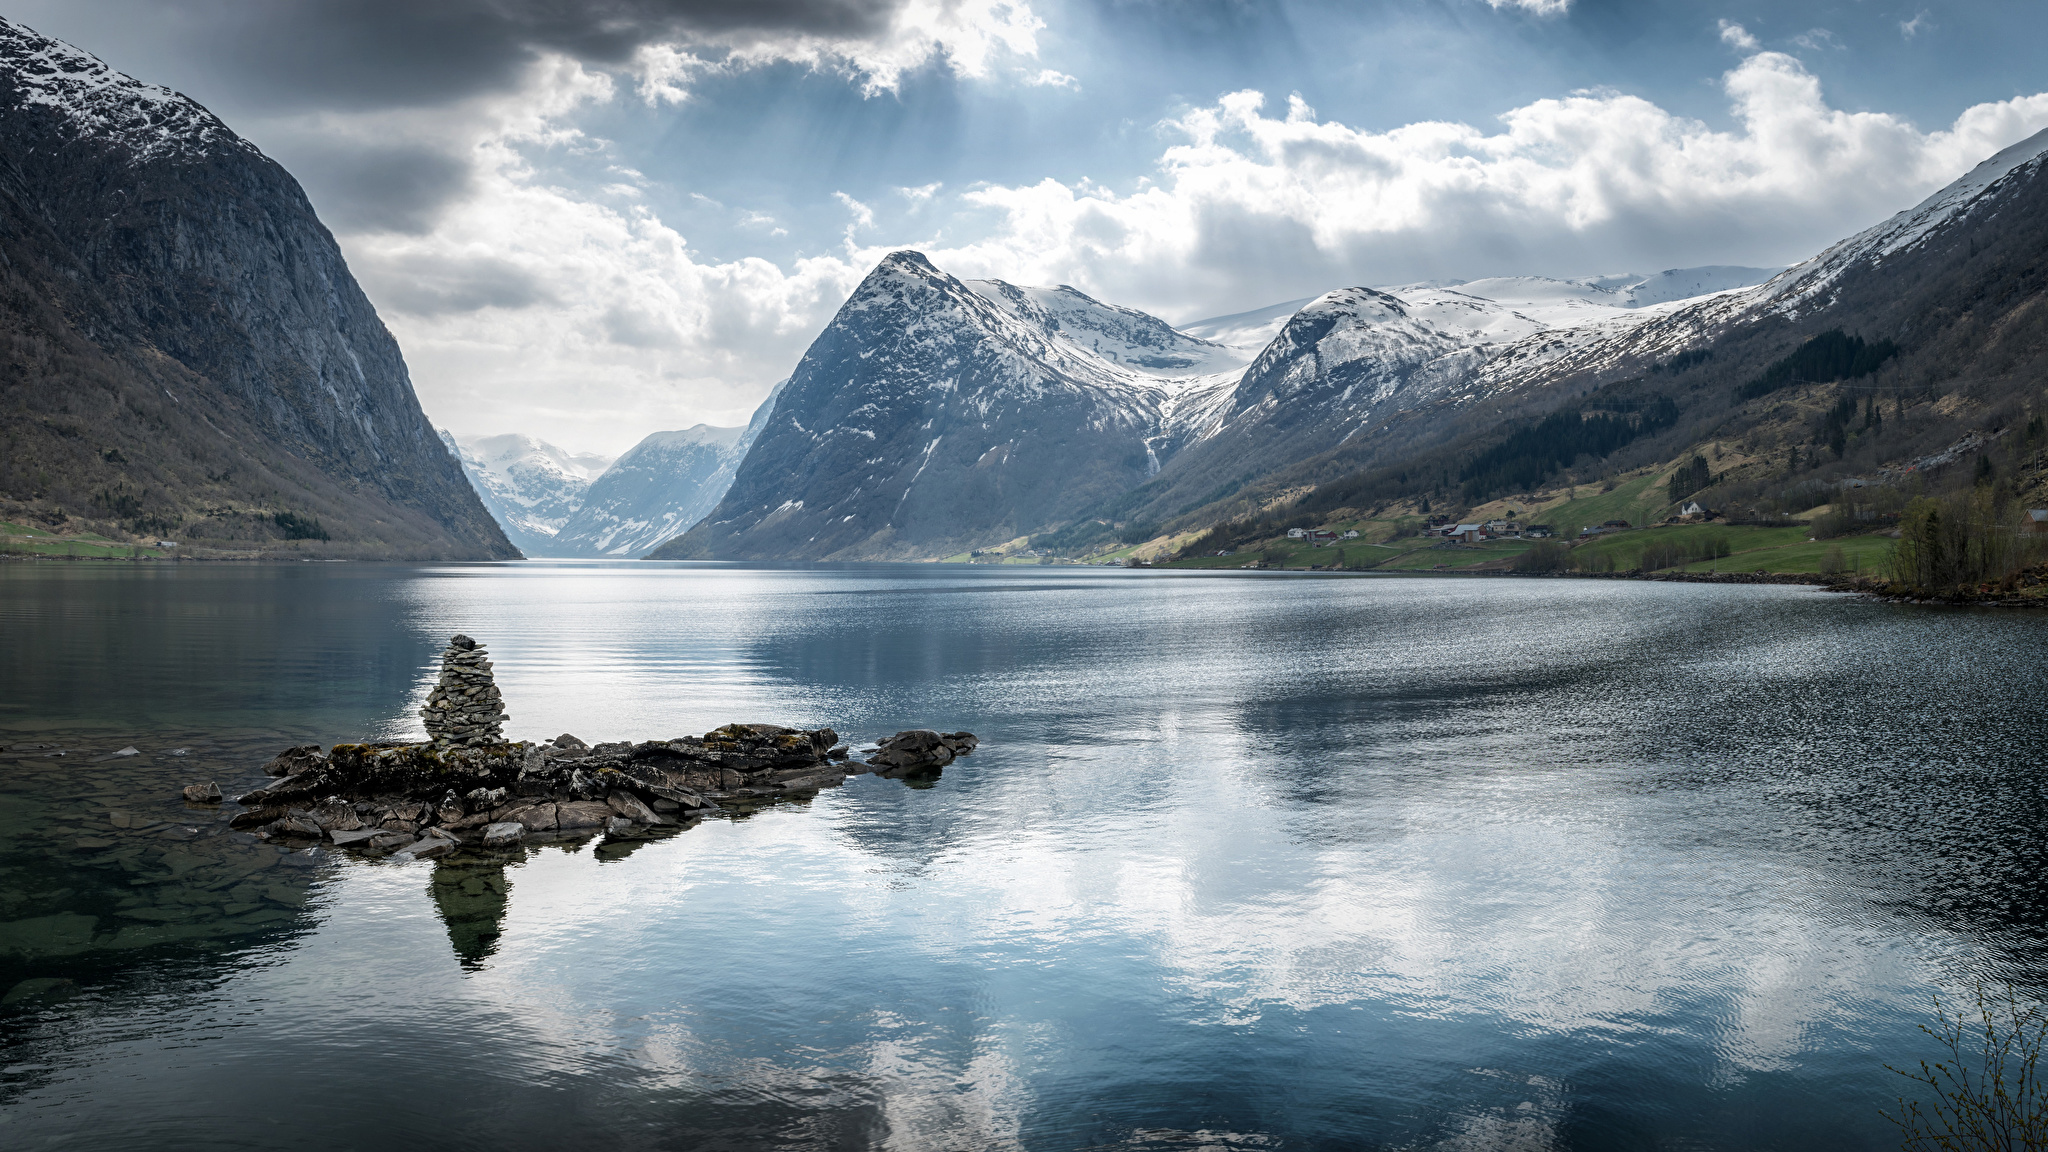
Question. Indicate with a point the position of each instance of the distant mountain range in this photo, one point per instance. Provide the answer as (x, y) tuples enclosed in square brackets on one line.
[(186, 356), (530, 486), (936, 416), (555, 504), (183, 352)]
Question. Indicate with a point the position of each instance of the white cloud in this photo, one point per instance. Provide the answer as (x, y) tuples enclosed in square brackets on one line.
[(1251, 208), (1535, 7), (1921, 22), (1049, 78), (1818, 39), (531, 306), (1737, 37), (863, 216), (921, 195), (967, 35)]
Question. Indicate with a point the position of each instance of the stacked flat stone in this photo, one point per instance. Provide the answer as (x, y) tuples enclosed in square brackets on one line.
[(465, 707)]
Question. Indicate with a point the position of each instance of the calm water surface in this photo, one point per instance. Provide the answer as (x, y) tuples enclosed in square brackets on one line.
[(1244, 862)]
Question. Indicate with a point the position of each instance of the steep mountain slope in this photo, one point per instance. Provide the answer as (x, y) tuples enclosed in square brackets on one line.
[(659, 489), (183, 349), (928, 418), (1949, 299), (530, 487), (1354, 364)]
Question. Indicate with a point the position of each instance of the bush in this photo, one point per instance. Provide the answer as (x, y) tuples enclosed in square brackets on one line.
[(297, 527), (1969, 538), (1544, 556), (1988, 1093), (1663, 554)]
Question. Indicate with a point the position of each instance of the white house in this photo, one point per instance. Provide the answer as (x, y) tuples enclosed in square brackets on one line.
[(1351, 534), (1297, 533)]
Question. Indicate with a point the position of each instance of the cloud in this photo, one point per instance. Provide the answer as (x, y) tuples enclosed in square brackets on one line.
[(1921, 22), (1048, 78), (1818, 39), (334, 55), (531, 303), (1534, 7), (1250, 207), (1737, 37), (863, 216), (893, 38)]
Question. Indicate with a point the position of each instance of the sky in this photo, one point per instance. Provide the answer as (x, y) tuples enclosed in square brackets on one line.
[(588, 220)]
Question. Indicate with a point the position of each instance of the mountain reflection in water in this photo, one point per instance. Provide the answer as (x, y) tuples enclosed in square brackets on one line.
[(1243, 862)]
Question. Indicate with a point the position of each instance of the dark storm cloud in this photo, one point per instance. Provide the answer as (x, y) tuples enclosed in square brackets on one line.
[(375, 187), (367, 54), (425, 286)]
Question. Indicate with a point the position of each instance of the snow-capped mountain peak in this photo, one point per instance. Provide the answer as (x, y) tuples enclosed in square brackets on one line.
[(529, 486), (658, 489), (1123, 336), (98, 102)]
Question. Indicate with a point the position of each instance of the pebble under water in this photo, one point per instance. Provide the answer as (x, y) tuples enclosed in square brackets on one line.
[(1245, 861)]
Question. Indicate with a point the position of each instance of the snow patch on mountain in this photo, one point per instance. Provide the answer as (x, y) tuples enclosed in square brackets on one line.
[(1123, 336), (657, 490), (1805, 284), (529, 486), (1253, 329), (98, 102)]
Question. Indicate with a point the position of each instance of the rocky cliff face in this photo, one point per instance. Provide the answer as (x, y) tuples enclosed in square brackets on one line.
[(188, 352)]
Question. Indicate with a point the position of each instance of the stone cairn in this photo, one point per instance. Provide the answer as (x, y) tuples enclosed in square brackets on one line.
[(465, 707)]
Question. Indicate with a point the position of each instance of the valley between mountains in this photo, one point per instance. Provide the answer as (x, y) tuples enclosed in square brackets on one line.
[(191, 370)]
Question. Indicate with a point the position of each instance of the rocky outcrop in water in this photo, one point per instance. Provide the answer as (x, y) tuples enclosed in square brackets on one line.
[(468, 786), (465, 706), (431, 799), (920, 750)]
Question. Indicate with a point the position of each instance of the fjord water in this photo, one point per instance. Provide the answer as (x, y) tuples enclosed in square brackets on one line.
[(1244, 861)]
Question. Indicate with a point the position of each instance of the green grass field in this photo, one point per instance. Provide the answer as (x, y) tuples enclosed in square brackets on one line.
[(1864, 554), (1627, 547), (1637, 501), (23, 540)]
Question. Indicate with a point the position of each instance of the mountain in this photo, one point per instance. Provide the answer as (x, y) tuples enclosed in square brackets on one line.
[(184, 350), (1897, 354), (530, 487), (665, 484), (933, 416)]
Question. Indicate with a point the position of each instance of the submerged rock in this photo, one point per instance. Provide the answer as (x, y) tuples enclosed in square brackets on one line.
[(208, 793), (293, 761), (921, 749)]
